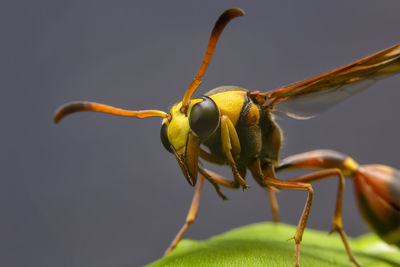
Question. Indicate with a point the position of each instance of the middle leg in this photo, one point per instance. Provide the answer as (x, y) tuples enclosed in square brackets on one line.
[(270, 181)]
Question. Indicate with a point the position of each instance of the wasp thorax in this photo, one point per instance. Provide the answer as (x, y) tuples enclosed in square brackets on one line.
[(204, 117)]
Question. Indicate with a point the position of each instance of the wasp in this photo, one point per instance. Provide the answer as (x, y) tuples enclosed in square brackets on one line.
[(234, 126)]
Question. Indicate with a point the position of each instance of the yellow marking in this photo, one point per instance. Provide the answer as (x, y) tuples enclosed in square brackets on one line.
[(178, 127), (230, 103), (227, 147), (226, 141), (234, 138), (254, 115), (350, 165)]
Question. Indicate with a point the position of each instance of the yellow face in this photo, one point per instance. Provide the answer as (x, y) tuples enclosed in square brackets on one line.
[(181, 132), (178, 126), (178, 138)]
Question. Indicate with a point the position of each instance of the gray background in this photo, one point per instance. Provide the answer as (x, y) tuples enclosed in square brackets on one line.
[(98, 190)]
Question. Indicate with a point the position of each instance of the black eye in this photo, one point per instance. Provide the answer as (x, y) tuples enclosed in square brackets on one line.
[(204, 117), (164, 137)]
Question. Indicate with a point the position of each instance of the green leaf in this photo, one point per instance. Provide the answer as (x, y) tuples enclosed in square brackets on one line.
[(264, 244)]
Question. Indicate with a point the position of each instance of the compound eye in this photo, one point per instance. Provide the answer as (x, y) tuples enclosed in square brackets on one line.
[(164, 137), (204, 117)]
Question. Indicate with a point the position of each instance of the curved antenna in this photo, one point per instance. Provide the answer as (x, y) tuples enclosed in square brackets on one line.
[(92, 106), (219, 26)]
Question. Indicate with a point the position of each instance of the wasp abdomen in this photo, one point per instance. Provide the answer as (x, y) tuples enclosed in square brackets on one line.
[(377, 189)]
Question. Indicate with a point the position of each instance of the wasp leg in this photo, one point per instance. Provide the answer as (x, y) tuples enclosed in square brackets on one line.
[(337, 225), (335, 164), (216, 180), (271, 191), (209, 157), (274, 203), (231, 144), (194, 207), (255, 168)]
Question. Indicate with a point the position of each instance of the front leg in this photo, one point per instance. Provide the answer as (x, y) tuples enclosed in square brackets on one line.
[(231, 145), (192, 214), (216, 180)]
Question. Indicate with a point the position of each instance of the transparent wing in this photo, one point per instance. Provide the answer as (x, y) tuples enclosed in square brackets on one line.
[(309, 105), (306, 99)]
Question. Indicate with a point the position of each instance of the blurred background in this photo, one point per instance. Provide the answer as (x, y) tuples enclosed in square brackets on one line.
[(99, 190)]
